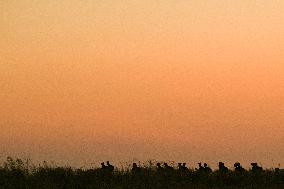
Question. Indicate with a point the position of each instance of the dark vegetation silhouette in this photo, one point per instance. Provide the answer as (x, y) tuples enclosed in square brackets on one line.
[(16, 173)]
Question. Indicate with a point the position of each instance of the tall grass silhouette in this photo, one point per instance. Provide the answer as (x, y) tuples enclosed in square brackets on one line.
[(16, 173)]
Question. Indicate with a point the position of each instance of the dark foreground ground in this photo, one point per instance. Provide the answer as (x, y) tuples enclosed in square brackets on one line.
[(16, 174)]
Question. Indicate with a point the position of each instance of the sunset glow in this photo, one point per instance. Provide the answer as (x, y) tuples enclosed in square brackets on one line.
[(87, 81)]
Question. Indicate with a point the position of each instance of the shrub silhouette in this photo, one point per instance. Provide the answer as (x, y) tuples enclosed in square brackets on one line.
[(15, 173)]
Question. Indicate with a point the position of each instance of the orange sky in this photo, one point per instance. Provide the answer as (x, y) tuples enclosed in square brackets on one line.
[(86, 81)]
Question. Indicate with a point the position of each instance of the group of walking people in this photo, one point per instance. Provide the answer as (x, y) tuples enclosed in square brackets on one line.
[(165, 168)]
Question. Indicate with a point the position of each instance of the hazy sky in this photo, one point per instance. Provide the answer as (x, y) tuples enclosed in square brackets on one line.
[(184, 80)]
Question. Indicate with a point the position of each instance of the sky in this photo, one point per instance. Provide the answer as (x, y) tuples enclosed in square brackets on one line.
[(172, 80)]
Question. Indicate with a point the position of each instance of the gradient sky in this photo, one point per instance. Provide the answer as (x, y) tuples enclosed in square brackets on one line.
[(184, 80)]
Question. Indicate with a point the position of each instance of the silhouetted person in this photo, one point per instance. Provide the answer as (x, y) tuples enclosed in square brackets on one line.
[(134, 166), (168, 168), (184, 167), (159, 168), (110, 167), (103, 168), (135, 169), (207, 169), (255, 167), (103, 165), (238, 167), (104, 172), (223, 168), (181, 169), (168, 171), (180, 166), (200, 167)]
